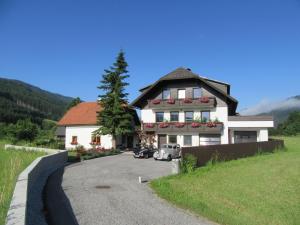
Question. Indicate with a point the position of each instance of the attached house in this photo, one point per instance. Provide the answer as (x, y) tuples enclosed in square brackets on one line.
[(185, 108), (81, 121)]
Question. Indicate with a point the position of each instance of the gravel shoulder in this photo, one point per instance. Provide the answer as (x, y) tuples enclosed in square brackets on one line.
[(106, 191)]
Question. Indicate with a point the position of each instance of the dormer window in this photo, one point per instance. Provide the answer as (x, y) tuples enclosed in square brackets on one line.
[(166, 94)]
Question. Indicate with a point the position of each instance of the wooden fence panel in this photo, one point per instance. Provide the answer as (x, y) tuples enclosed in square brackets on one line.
[(231, 151)]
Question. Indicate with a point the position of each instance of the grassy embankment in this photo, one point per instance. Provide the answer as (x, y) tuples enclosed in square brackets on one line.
[(12, 163), (264, 189)]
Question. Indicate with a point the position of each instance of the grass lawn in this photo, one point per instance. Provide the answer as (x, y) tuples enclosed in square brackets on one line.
[(12, 163), (263, 189)]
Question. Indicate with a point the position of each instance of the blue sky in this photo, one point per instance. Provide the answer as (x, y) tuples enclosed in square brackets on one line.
[(64, 45)]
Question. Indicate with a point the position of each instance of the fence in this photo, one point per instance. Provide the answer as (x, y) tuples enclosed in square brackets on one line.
[(231, 151)]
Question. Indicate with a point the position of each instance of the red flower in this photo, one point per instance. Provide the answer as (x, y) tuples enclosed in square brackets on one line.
[(211, 124), (196, 125), (163, 125), (156, 101), (204, 100), (188, 100), (171, 101), (179, 125), (149, 125)]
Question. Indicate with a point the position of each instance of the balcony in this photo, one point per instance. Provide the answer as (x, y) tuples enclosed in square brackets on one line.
[(177, 127), (202, 103)]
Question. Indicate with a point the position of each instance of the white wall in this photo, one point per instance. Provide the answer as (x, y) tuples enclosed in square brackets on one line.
[(263, 124), (263, 135), (147, 116), (84, 137), (221, 113)]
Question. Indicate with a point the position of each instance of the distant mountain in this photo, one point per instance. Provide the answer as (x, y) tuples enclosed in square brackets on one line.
[(19, 100), (279, 110)]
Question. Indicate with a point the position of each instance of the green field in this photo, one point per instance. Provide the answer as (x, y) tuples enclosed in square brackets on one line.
[(12, 163), (263, 189)]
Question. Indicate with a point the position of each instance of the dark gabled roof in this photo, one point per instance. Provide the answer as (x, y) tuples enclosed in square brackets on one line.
[(182, 74)]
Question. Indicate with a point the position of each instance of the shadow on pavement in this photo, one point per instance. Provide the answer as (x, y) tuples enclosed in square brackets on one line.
[(58, 210)]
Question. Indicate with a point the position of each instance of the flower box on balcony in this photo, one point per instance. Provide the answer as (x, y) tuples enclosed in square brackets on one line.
[(171, 101), (187, 100), (196, 125), (204, 100), (211, 124), (156, 101), (149, 125), (179, 125), (163, 125), (74, 143)]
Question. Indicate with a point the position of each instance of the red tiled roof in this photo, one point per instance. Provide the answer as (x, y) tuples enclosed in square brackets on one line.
[(84, 113)]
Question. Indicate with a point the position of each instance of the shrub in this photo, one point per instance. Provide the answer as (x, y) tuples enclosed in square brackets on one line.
[(188, 163), (25, 130)]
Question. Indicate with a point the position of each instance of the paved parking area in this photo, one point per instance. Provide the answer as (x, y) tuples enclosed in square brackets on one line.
[(106, 191)]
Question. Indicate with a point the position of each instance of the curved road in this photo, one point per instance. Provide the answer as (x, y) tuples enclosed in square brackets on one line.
[(106, 191)]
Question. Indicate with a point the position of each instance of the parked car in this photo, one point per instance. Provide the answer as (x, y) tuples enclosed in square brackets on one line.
[(168, 152), (144, 153)]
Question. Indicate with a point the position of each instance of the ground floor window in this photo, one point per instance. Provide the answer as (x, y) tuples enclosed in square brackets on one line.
[(172, 139), (187, 140), (96, 140), (210, 139), (74, 140), (245, 136)]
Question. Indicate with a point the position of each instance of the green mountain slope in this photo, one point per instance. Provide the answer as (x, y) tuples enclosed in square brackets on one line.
[(19, 100), (281, 114)]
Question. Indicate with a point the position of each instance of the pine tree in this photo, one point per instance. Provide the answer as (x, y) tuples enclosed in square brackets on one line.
[(115, 118)]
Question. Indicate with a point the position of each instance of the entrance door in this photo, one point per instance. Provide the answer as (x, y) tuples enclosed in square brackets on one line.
[(162, 139), (245, 136), (129, 141)]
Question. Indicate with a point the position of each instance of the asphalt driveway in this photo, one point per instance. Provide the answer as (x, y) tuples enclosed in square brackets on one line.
[(107, 191)]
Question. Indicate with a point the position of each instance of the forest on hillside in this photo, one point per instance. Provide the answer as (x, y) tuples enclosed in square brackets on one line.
[(19, 101)]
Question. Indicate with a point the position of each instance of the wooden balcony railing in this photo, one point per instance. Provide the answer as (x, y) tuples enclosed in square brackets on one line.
[(203, 102), (169, 127)]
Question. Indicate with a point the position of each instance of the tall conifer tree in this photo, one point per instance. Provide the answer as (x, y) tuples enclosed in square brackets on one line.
[(115, 118)]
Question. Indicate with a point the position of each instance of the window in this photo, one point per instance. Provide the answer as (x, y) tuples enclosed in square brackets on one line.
[(74, 140), (181, 94), (205, 116), (159, 117), (96, 140), (196, 92), (188, 116), (166, 94), (187, 140), (172, 139), (174, 116)]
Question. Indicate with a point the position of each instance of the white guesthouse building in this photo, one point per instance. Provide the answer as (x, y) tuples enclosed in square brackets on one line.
[(184, 108), (81, 121)]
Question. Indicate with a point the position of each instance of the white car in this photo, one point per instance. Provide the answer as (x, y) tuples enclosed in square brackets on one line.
[(168, 152)]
